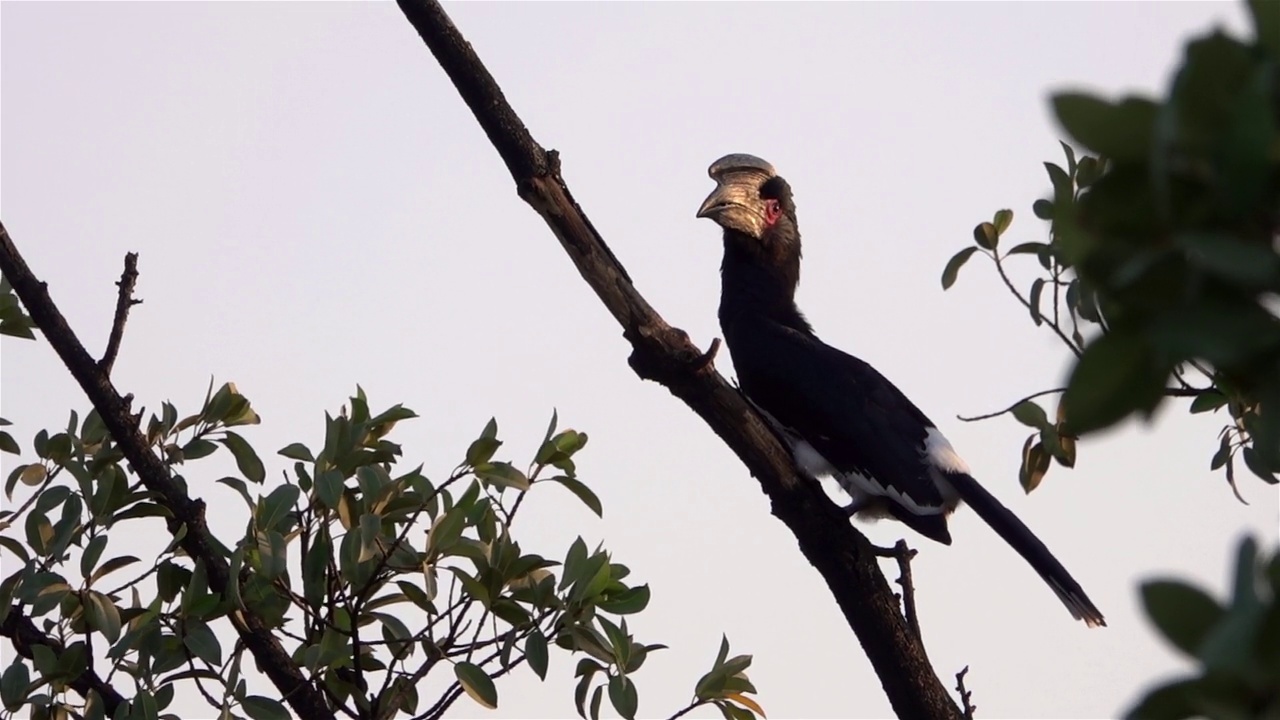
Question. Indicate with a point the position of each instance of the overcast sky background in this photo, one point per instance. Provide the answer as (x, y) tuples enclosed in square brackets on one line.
[(315, 207)]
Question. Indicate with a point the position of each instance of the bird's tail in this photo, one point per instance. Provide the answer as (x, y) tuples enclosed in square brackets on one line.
[(1008, 526)]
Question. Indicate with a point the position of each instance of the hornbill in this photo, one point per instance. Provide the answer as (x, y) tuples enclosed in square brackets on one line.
[(838, 415)]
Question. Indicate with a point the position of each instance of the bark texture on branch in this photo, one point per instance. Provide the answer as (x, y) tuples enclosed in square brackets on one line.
[(303, 697), (24, 635), (665, 355)]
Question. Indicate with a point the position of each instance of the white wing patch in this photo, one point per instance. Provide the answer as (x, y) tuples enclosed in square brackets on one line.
[(939, 452), (936, 450)]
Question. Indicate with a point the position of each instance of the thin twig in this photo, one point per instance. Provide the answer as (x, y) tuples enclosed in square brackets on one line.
[(966, 706), (688, 709), (124, 301), (1027, 304), (903, 555), (1169, 392), (998, 413)]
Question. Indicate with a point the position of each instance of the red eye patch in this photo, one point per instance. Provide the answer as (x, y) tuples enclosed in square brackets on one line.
[(772, 211)]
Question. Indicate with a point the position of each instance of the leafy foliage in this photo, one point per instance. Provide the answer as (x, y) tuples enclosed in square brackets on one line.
[(371, 576), (1162, 251), (1236, 644)]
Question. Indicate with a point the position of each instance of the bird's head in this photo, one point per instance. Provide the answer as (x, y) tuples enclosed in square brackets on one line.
[(752, 201)]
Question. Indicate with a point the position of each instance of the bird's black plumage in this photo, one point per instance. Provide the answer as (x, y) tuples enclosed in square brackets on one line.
[(838, 414)]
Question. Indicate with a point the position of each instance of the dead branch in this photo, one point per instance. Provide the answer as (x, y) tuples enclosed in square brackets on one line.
[(124, 301), (665, 355), (303, 697)]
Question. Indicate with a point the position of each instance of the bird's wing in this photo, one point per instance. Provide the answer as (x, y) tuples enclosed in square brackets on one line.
[(851, 414)]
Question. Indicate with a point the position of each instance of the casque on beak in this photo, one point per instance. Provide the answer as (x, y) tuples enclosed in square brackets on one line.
[(735, 203)]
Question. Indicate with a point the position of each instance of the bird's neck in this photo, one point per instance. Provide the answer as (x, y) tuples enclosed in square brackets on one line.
[(756, 287)]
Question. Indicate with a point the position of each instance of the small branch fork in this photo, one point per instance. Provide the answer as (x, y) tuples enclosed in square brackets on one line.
[(124, 301), (903, 555), (967, 708)]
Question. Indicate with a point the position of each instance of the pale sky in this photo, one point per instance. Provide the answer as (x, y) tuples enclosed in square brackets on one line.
[(315, 207)]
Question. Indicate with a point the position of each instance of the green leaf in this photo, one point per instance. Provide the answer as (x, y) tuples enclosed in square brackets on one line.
[(296, 451), (277, 505), (1266, 21), (1033, 301), (472, 587), (1208, 401), (446, 530), (239, 486), (1121, 131), (329, 485), (583, 493), (1184, 614), (985, 235), (481, 450), (596, 697), (1088, 171), (103, 615), (1253, 461), (246, 458), (202, 643), (502, 475), (1035, 463), (622, 693), (1002, 220), (628, 602), (535, 651), (315, 569), (477, 683), (370, 529), (16, 548), (92, 553), (13, 685), (952, 270), (260, 707), (1254, 265), (198, 448), (1043, 209), (1028, 248), (1117, 374), (1029, 413), (8, 444), (1173, 701)]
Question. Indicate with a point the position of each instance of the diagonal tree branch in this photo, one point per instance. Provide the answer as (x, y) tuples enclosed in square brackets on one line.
[(24, 635), (275, 662), (665, 354)]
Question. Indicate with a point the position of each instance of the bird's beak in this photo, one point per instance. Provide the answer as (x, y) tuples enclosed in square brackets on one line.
[(717, 202), (738, 178)]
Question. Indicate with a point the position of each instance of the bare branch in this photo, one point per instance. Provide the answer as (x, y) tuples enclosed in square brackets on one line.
[(967, 706), (303, 697), (998, 413), (24, 635), (665, 355), (903, 555), (1169, 392), (124, 301)]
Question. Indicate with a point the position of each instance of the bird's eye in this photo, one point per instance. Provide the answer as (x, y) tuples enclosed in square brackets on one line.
[(772, 211)]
